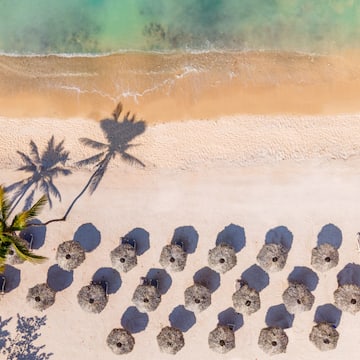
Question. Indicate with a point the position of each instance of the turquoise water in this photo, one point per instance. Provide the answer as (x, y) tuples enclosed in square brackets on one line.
[(103, 26)]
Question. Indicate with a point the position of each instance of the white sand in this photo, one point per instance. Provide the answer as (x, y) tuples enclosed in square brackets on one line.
[(257, 173)]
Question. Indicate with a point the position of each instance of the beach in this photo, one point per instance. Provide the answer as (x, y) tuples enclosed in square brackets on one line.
[(248, 176)]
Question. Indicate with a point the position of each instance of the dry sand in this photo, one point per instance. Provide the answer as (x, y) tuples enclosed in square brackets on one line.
[(254, 172)]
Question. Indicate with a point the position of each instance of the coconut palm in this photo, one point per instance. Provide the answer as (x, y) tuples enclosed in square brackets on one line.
[(43, 168), (9, 239), (119, 135)]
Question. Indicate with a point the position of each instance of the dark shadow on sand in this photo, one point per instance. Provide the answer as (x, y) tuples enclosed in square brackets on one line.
[(330, 234), (88, 236), (208, 278), (163, 278), (142, 238), (188, 235), (304, 275), (134, 321), (109, 275), (278, 316), (37, 232), (231, 317), (280, 235), (350, 274), (256, 277), (182, 319), (328, 313), (12, 276), (59, 279), (233, 235)]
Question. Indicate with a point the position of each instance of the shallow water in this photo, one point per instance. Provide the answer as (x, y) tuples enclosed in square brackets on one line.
[(103, 26)]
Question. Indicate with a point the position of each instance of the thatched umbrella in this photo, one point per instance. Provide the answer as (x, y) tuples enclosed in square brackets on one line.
[(324, 257), (298, 298), (197, 298), (70, 255), (92, 298), (246, 300), (347, 298), (41, 296), (173, 258), (123, 257), (272, 257), (222, 258), (221, 339), (170, 340), (324, 336), (120, 341), (273, 340), (12, 258), (146, 298)]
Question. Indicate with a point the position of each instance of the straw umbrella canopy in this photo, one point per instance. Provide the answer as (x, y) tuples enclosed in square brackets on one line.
[(246, 300), (197, 298), (347, 298), (298, 298), (170, 340), (70, 255), (272, 257), (146, 298), (41, 296), (92, 298), (173, 258), (324, 336), (12, 258), (273, 340), (120, 341), (123, 257), (324, 257), (221, 339), (222, 258)]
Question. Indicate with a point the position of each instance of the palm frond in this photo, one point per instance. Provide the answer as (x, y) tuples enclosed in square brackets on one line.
[(132, 160), (92, 143), (23, 219), (116, 113), (54, 190), (23, 252), (34, 151), (29, 200), (58, 170), (26, 159), (15, 185), (91, 160), (4, 204), (27, 168)]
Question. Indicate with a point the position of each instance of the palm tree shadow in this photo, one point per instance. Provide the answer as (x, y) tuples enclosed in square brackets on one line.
[(43, 168), (119, 135)]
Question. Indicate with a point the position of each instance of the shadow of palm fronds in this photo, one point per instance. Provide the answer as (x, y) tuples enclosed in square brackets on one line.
[(43, 168), (119, 134)]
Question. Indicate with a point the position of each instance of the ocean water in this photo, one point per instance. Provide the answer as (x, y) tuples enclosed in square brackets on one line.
[(110, 26)]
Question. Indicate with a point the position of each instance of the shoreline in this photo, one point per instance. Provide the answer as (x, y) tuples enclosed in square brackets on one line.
[(175, 87)]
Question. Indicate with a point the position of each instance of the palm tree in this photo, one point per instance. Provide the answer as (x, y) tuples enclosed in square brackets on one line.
[(43, 169), (8, 232)]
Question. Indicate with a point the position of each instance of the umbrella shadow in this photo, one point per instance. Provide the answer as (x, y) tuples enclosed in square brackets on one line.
[(256, 277), (142, 238), (188, 235), (350, 274), (328, 313), (163, 278), (88, 236), (182, 318), (280, 235), (231, 317), (27, 335), (133, 320), (208, 278), (110, 276), (330, 234), (12, 276), (37, 233), (43, 167), (59, 279), (304, 275), (233, 235), (278, 316)]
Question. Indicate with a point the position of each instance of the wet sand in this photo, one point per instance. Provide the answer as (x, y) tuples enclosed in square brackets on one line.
[(161, 88)]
